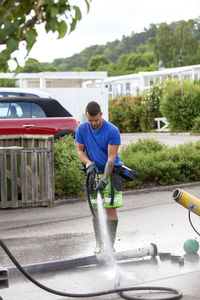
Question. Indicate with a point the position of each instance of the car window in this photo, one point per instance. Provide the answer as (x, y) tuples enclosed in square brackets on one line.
[(25, 110), (10, 110), (37, 111), (4, 110), (9, 94)]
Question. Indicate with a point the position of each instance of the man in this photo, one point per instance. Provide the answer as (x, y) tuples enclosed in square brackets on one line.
[(98, 142)]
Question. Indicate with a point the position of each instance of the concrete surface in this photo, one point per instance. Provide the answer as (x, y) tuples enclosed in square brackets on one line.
[(64, 233), (39, 235)]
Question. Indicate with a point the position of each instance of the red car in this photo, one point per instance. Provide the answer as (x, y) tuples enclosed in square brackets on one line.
[(23, 115)]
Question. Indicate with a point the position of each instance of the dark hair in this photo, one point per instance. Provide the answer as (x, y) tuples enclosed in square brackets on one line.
[(93, 108)]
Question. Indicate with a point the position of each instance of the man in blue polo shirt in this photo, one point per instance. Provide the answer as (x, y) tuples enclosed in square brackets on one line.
[(98, 142)]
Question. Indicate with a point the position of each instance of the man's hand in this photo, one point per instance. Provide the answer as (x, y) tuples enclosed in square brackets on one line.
[(101, 186), (91, 168)]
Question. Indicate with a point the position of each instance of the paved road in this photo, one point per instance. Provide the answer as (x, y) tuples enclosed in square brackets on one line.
[(165, 138)]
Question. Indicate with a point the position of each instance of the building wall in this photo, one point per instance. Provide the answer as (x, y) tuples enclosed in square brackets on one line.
[(76, 99), (137, 83)]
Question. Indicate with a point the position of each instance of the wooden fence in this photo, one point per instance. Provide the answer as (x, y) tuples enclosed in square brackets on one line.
[(26, 171)]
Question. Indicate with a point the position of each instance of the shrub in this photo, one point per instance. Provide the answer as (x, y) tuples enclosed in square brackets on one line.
[(157, 164), (4, 82), (151, 104), (162, 165), (125, 112), (181, 105), (152, 99), (196, 125), (69, 171)]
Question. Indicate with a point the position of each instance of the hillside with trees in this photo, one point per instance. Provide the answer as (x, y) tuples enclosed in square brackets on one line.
[(164, 45)]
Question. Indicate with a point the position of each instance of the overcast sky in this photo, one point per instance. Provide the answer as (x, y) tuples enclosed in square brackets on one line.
[(109, 20)]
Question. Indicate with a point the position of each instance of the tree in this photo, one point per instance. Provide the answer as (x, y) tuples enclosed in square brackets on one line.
[(19, 20), (186, 42), (97, 61), (163, 45), (32, 65), (136, 60)]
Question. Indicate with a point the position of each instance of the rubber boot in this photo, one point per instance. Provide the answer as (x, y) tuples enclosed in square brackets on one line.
[(112, 229), (99, 243)]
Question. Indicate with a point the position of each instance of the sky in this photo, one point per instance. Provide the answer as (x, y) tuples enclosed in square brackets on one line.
[(107, 21)]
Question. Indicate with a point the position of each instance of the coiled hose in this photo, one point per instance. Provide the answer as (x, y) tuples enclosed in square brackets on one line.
[(120, 291)]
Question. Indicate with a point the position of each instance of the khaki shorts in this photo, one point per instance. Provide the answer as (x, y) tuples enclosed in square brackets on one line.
[(106, 196)]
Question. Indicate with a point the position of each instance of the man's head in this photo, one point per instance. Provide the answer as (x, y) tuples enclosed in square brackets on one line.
[(94, 115)]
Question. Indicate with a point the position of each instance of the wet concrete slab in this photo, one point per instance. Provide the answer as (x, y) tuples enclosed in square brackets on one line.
[(91, 279)]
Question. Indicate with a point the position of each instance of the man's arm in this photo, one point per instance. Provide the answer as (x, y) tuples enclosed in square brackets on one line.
[(82, 154), (112, 153)]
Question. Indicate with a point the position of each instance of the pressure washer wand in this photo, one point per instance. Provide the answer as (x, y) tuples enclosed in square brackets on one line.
[(188, 201)]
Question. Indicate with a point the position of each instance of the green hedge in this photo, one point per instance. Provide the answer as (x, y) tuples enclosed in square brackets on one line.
[(160, 164), (157, 164), (136, 114), (68, 170), (177, 102), (180, 105), (125, 112)]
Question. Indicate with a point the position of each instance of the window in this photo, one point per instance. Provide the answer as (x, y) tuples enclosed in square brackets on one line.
[(186, 76), (128, 88), (119, 89), (26, 109), (151, 81), (10, 110), (36, 111), (109, 87), (4, 110), (23, 110)]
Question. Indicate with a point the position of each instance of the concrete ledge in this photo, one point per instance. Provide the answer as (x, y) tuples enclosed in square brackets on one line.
[(60, 265), (161, 188)]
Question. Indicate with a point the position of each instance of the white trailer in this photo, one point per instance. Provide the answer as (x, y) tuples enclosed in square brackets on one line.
[(76, 99)]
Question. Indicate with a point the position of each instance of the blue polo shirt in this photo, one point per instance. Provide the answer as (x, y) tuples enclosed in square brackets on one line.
[(96, 142)]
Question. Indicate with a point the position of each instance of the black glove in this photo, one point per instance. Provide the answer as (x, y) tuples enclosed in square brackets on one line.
[(101, 186), (129, 174), (92, 169)]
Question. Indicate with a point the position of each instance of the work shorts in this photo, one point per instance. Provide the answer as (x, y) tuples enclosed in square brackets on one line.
[(106, 196)]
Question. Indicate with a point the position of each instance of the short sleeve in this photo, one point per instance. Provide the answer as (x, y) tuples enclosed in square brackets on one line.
[(79, 136), (114, 138)]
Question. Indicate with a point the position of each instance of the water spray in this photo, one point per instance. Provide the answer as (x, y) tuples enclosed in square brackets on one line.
[(107, 254)]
